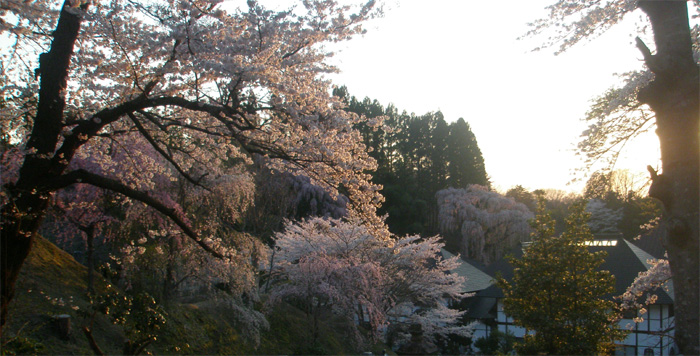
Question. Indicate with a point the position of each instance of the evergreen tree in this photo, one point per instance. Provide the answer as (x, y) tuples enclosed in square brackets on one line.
[(416, 156), (466, 162), (438, 154), (557, 291)]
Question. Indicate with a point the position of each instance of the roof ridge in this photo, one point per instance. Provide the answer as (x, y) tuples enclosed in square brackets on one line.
[(642, 255)]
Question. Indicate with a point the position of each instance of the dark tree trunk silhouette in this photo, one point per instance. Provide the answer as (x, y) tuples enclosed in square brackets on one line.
[(22, 216), (674, 96), (90, 240)]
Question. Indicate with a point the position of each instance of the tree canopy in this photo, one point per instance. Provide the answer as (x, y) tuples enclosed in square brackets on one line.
[(328, 264), (116, 93)]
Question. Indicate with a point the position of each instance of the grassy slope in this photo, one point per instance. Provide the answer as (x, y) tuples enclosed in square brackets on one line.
[(53, 283)]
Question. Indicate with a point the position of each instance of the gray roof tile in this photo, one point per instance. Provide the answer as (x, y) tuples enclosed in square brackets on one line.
[(476, 279)]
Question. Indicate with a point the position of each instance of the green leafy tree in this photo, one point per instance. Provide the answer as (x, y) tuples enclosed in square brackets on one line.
[(557, 290), (624, 191), (139, 315)]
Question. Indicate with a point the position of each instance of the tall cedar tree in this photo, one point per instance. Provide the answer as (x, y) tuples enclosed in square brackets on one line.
[(416, 157), (466, 162), (557, 290)]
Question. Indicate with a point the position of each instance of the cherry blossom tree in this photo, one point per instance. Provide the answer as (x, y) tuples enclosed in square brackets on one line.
[(313, 200), (154, 256), (283, 195), (170, 259), (338, 265), (665, 95), (486, 223), (199, 85), (603, 219), (646, 282)]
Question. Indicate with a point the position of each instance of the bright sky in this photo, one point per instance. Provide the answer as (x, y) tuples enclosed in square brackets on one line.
[(463, 58)]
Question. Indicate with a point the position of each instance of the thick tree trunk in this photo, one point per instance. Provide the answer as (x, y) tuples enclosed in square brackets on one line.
[(674, 97), (28, 201)]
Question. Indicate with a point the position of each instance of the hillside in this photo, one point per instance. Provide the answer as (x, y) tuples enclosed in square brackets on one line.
[(53, 283)]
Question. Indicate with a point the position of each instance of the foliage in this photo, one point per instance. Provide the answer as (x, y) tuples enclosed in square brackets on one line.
[(557, 204), (203, 328), (417, 155), (620, 184), (663, 96), (497, 343), (557, 291), (337, 266), (481, 224), (127, 96), (139, 315), (523, 196), (54, 283), (621, 192), (466, 164), (19, 345), (282, 195)]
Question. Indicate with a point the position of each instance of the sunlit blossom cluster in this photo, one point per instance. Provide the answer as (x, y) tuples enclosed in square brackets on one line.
[(657, 276), (361, 276), (175, 92)]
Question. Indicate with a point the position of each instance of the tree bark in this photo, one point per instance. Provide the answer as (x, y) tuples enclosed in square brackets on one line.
[(91, 341), (28, 202), (90, 239), (674, 96)]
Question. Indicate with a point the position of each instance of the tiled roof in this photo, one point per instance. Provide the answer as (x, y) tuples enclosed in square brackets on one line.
[(624, 260), (652, 242), (480, 308), (476, 279), (667, 293)]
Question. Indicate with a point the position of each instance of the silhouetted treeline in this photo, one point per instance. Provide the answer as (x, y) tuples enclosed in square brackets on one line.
[(417, 155)]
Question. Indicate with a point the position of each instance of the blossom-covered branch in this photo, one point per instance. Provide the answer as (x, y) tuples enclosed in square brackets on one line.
[(172, 212)]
